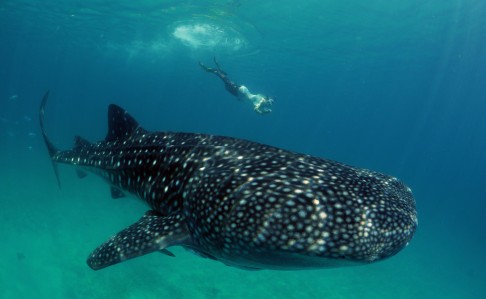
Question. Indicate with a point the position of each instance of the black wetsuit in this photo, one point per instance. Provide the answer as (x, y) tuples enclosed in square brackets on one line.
[(230, 86)]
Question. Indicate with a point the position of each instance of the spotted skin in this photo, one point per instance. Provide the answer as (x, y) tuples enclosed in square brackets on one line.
[(245, 204)]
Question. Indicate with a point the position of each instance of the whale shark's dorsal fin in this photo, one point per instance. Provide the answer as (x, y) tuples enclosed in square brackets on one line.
[(121, 125)]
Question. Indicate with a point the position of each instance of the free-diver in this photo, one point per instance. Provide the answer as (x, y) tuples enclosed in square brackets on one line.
[(262, 104)]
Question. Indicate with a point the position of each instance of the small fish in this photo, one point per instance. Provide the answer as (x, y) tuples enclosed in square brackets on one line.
[(243, 203)]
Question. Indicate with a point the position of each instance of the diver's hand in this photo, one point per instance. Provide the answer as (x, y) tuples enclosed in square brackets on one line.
[(263, 106)]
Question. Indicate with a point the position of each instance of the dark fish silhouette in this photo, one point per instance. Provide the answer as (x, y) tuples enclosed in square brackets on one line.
[(243, 203)]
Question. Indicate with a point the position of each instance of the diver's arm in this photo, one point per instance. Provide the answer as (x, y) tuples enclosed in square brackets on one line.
[(261, 104)]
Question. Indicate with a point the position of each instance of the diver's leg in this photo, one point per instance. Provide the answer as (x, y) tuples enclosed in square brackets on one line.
[(206, 68), (219, 67)]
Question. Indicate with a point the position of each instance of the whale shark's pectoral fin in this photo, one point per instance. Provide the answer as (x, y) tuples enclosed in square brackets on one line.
[(153, 232)]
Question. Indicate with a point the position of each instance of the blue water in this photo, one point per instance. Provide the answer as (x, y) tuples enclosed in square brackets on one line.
[(394, 86)]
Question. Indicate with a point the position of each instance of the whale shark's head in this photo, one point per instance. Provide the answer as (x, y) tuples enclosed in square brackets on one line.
[(360, 223), (387, 223), (307, 213)]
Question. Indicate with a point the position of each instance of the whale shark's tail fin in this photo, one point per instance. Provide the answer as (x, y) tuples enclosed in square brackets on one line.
[(50, 146)]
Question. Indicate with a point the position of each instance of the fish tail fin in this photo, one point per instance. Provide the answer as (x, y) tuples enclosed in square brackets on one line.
[(51, 148)]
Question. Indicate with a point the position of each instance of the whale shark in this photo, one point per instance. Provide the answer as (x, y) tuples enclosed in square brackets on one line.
[(242, 203)]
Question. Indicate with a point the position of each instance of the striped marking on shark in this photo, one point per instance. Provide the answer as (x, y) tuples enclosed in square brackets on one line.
[(243, 203)]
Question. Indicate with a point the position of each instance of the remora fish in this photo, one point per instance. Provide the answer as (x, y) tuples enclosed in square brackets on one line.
[(243, 203)]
